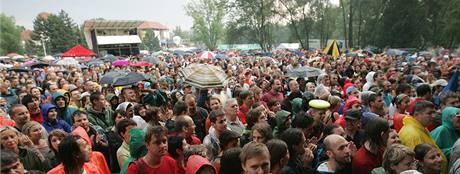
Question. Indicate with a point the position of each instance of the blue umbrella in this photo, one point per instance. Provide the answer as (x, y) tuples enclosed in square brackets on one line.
[(220, 56)]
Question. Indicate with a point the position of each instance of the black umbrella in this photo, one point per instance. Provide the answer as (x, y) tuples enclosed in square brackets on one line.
[(39, 64), (95, 62), (305, 72), (109, 78), (109, 58), (153, 60), (129, 79), (19, 69)]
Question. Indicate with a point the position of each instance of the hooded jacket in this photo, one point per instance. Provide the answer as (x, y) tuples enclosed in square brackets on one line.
[(414, 133), (195, 163), (53, 124), (96, 158), (66, 112), (137, 147), (446, 135), (102, 119), (89, 168), (369, 81), (281, 117), (296, 106)]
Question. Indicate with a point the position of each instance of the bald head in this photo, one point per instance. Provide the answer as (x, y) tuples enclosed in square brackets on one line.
[(331, 140)]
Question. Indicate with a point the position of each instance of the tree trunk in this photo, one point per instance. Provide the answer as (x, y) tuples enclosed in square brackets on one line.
[(350, 26), (344, 23)]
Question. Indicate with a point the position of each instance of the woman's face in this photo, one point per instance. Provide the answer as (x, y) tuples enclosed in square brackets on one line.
[(52, 114), (129, 111), (406, 164), (257, 137), (36, 132), (311, 87), (215, 105), (55, 141), (9, 139), (142, 111), (118, 118), (405, 103), (432, 160), (393, 138)]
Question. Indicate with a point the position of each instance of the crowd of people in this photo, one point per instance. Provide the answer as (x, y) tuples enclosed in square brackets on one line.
[(376, 114)]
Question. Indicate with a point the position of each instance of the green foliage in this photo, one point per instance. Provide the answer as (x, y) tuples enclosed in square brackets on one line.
[(207, 18), (150, 42), (58, 32), (10, 36)]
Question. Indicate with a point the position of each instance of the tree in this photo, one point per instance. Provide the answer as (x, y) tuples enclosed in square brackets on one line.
[(58, 32), (207, 18), (255, 17), (10, 36), (150, 42)]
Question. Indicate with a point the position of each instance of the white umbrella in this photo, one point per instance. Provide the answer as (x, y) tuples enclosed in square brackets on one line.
[(5, 66), (207, 55), (49, 58), (67, 61), (18, 57), (4, 57)]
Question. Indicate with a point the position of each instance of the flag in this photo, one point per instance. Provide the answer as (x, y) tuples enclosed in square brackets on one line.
[(332, 49), (451, 86)]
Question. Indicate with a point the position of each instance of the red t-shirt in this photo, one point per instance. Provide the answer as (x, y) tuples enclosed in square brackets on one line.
[(364, 161), (167, 166), (38, 117), (193, 140)]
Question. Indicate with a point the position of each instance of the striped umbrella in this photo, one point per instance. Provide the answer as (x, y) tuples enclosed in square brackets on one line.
[(204, 76), (206, 55)]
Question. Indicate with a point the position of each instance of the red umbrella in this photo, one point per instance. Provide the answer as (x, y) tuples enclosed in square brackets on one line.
[(79, 51)]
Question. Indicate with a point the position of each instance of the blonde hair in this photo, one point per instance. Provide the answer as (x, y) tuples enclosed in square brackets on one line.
[(394, 155)]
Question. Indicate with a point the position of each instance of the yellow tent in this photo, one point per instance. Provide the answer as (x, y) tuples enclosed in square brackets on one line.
[(332, 49)]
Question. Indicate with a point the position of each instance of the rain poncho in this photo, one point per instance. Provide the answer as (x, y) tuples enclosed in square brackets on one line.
[(96, 158), (446, 135), (414, 133), (136, 147), (369, 81), (195, 163)]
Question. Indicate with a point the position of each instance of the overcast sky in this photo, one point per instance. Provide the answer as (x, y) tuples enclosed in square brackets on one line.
[(168, 12)]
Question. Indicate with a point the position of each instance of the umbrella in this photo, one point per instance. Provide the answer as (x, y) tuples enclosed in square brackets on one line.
[(304, 72), (49, 58), (95, 62), (220, 56), (109, 78), (206, 55), (129, 78), (179, 52), (4, 57), (120, 63), (154, 60), (395, 52), (67, 61), (19, 69), (38, 64), (204, 76), (109, 58), (141, 64), (5, 66)]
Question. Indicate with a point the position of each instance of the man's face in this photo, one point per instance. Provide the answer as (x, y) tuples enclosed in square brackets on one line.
[(377, 103), (158, 146), (257, 137), (100, 102), (84, 149), (75, 95), (318, 114), (126, 135), (130, 95), (60, 102), (36, 92), (21, 115), (232, 109), (453, 102), (456, 121), (89, 86), (340, 152), (249, 100), (34, 106), (82, 121), (426, 116), (277, 86), (191, 104), (294, 86), (257, 165), (53, 88), (221, 124)]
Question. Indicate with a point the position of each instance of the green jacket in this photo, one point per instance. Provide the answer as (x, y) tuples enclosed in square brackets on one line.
[(446, 135), (32, 160), (102, 119), (281, 117), (136, 147), (296, 106)]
